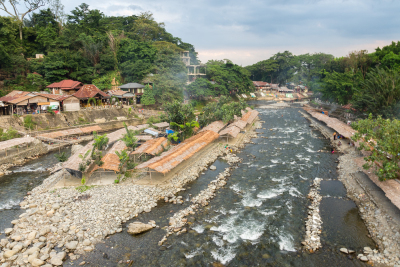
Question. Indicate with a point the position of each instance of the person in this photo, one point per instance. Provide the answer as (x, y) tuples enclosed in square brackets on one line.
[(340, 143), (332, 150), (334, 136)]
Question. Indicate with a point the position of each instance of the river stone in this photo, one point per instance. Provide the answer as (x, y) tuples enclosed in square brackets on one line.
[(87, 242), (212, 167), (8, 231), (9, 253), (344, 250), (58, 258), (32, 235), (37, 262), (71, 245), (32, 250), (363, 258), (138, 227), (88, 249)]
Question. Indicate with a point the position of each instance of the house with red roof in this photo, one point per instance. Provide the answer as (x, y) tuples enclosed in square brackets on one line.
[(91, 91), (65, 87)]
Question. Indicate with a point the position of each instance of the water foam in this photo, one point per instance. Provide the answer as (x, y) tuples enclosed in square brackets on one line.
[(286, 242), (249, 201), (224, 255), (9, 204), (198, 228)]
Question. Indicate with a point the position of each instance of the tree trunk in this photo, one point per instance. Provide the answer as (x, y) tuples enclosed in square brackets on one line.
[(20, 31)]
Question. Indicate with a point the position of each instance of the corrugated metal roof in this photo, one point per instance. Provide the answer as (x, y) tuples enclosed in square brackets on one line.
[(152, 147), (89, 90), (152, 132), (131, 86), (161, 125), (215, 126), (66, 85), (14, 95), (171, 158), (55, 97), (260, 84)]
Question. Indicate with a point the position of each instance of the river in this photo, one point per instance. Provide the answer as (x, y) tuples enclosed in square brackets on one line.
[(258, 218)]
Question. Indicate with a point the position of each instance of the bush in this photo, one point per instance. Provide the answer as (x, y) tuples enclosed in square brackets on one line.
[(62, 157), (11, 133), (29, 123), (50, 110)]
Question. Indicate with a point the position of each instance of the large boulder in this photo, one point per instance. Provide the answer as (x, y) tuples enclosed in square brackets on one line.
[(138, 227)]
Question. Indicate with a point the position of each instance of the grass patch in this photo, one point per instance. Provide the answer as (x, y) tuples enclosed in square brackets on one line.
[(83, 188)]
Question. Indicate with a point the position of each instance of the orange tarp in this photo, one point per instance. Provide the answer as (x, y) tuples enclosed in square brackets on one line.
[(170, 159)]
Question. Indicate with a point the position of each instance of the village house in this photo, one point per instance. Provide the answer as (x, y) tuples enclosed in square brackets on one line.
[(20, 102), (123, 96), (261, 86), (135, 88), (65, 87), (91, 91)]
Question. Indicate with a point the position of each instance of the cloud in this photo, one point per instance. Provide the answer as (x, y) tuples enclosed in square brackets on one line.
[(252, 30)]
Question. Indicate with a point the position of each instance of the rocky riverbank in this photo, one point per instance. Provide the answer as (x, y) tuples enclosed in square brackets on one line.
[(312, 240), (178, 221), (67, 221), (381, 224)]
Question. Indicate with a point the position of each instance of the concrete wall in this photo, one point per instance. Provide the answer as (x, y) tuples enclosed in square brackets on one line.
[(34, 150)]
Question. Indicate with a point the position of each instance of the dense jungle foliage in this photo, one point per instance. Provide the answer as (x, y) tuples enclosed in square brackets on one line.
[(368, 81), (90, 47)]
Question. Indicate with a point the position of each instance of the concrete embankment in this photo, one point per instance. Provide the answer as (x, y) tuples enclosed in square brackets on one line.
[(380, 215)]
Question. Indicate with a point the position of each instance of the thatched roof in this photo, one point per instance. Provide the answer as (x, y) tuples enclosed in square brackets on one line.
[(62, 133), (72, 164), (171, 158), (215, 126), (16, 142), (152, 147), (339, 126), (111, 160), (239, 123), (231, 131), (91, 129), (72, 131), (250, 116)]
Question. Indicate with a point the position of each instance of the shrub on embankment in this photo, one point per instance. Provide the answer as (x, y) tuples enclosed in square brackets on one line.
[(381, 138)]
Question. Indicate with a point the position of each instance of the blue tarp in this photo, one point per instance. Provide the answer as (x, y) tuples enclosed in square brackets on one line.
[(154, 133), (169, 131)]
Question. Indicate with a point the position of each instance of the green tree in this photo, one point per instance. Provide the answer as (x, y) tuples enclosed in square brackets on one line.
[(129, 138), (200, 88), (179, 113), (382, 138), (100, 141), (148, 96), (379, 93), (184, 130)]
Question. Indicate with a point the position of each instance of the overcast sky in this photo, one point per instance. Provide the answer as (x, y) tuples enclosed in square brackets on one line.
[(247, 31)]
